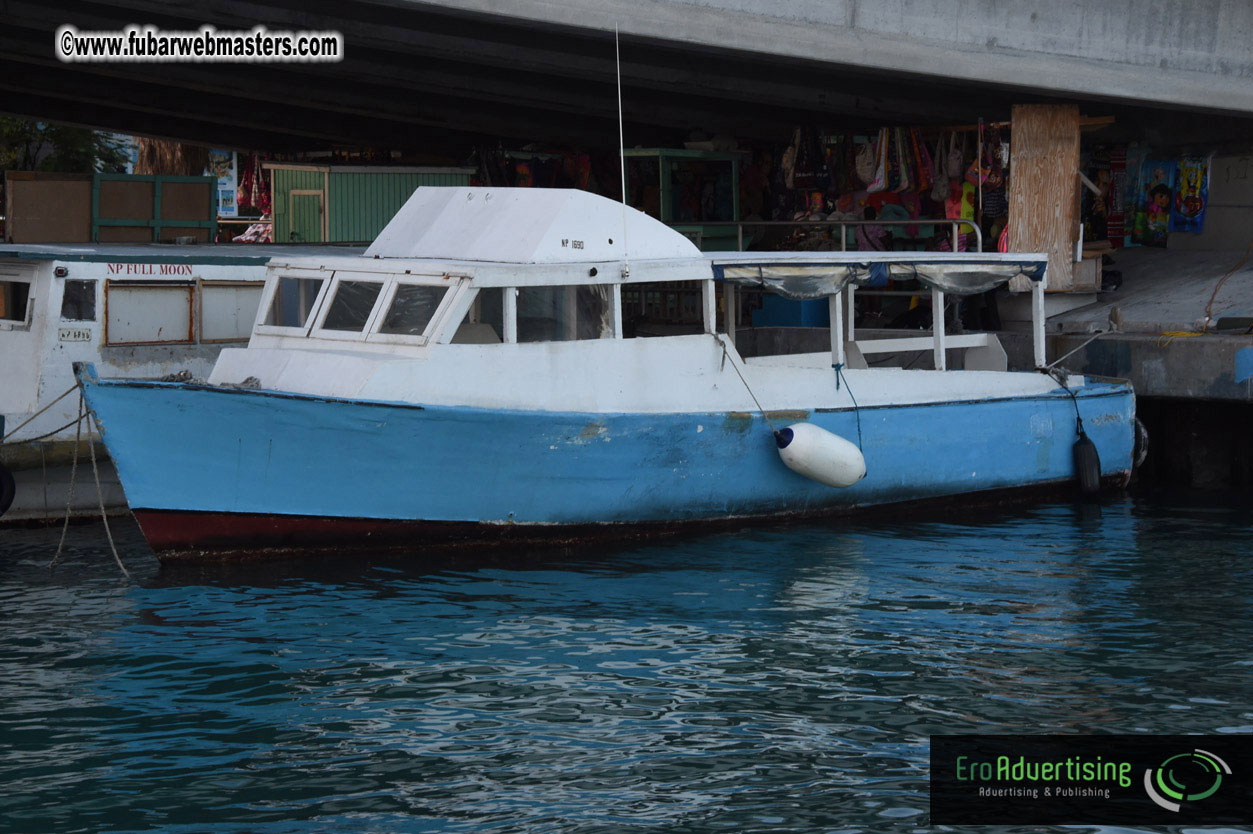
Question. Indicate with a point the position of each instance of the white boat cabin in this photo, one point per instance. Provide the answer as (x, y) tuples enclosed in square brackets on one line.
[(135, 311), (517, 298)]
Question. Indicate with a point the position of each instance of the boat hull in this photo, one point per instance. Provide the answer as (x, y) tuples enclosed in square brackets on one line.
[(203, 536), (212, 469)]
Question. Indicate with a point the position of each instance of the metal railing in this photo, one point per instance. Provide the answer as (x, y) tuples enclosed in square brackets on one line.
[(954, 223)]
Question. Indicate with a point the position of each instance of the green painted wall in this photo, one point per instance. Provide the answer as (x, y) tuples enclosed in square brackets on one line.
[(285, 182), (358, 203), (306, 218), (363, 203)]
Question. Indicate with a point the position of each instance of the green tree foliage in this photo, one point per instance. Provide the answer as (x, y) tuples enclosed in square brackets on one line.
[(39, 146)]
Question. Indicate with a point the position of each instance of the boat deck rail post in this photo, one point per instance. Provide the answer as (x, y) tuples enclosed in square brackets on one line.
[(937, 329), (709, 305), (615, 309), (729, 314), (509, 307), (835, 303), (1037, 318)]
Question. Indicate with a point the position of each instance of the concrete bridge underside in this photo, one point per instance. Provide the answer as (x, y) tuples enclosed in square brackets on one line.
[(431, 75)]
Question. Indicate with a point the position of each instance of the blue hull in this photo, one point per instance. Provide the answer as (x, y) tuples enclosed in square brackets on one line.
[(182, 449)]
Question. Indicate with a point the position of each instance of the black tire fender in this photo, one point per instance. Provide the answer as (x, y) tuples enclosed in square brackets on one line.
[(1141, 449), (8, 489)]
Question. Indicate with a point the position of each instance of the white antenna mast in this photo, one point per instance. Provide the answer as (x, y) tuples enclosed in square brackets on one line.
[(617, 54)]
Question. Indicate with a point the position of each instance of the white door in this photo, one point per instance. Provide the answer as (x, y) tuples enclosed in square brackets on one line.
[(23, 311)]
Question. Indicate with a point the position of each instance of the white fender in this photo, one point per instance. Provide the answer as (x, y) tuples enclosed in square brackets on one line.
[(820, 455)]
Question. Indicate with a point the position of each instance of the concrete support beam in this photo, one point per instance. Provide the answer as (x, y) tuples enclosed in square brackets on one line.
[(1194, 55)]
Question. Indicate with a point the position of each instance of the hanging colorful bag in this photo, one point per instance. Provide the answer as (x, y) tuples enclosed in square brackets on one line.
[(956, 157), (977, 172)]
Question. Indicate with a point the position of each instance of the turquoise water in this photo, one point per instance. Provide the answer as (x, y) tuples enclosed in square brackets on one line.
[(780, 679)]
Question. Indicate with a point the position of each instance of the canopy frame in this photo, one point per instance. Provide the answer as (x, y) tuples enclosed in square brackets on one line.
[(837, 275)]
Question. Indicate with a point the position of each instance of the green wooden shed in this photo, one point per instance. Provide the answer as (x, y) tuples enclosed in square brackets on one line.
[(345, 203)]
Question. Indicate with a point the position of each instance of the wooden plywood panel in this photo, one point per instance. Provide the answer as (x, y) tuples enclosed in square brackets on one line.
[(125, 200), (48, 208), (1044, 188), (187, 200)]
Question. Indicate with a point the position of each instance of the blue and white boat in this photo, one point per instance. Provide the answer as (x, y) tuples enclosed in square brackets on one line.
[(468, 379)]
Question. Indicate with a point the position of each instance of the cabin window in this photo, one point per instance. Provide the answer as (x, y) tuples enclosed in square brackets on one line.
[(139, 312), (485, 323), (352, 305), (412, 308), (14, 300), (78, 302), (560, 314), (227, 310), (662, 308), (293, 301)]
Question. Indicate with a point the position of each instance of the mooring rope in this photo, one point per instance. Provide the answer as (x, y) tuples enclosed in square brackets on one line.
[(1059, 376), (69, 501), (85, 414), (1069, 354), (747, 387), (46, 435), (839, 374), (100, 493), (28, 420)]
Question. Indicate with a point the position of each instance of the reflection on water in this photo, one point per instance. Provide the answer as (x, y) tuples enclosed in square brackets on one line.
[(777, 679)]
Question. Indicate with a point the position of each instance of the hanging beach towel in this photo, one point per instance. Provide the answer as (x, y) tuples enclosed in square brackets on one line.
[(891, 161), (852, 181), (903, 180), (788, 161), (939, 176), (922, 162), (922, 159), (879, 178), (864, 163), (805, 174)]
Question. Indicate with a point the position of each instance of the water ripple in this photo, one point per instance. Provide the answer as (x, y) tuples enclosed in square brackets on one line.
[(779, 679)]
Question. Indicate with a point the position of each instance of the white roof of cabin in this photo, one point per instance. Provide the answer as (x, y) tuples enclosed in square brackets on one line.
[(524, 226)]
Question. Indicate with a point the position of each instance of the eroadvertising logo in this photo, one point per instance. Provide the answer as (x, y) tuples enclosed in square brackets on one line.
[(1193, 776), (1091, 779)]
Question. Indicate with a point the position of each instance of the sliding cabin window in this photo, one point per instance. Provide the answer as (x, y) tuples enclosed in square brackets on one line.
[(149, 312), (228, 309), (351, 305), (14, 303), (565, 313), (78, 301), (292, 303), (412, 308)]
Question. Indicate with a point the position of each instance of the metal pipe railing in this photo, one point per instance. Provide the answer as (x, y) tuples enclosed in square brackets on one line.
[(955, 222)]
